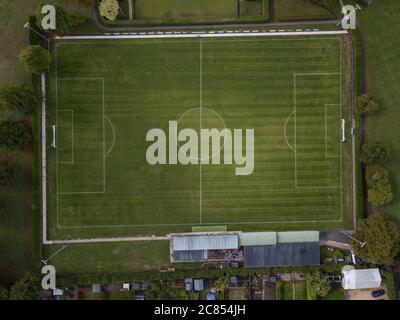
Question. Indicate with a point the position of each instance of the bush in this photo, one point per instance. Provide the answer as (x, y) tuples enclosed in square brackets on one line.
[(376, 175), (109, 9), (374, 153), (317, 284), (27, 288), (310, 294), (6, 175), (35, 58), (381, 238), (366, 105), (3, 292), (13, 135), (18, 99), (380, 195)]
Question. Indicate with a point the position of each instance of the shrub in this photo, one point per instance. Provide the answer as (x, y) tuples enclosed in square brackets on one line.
[(380, 195), (381, 238), (109, 9), (13, 135), (18, 99), (27, 288), (366, 105), (35, 58), (374, 153), (6, 175)]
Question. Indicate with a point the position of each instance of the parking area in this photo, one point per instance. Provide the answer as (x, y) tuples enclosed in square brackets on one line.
[(365, 294)]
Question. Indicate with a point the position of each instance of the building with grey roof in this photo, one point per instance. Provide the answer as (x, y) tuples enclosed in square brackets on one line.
[(203, 247), (280, 249)]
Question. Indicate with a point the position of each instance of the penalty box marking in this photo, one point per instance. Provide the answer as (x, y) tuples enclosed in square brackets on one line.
[(105, 154), (295, 129), (57, 162)]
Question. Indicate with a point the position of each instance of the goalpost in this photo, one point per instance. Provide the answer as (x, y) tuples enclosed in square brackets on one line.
[(53, 144), (342, 123)]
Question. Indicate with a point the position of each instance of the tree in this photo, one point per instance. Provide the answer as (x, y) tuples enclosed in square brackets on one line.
[(366, 105), (376, 176), (379, 188), (65, 21), (35, 58), (318, 284), (109, 9), (380, 195), (374, 153), (27, 288), (221, 284), (6, 175), (3, 292), (19, 99), (13, 135), (381, 238)]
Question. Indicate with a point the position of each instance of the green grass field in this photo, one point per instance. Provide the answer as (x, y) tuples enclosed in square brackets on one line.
[(183, 9), (298, 10), (106, 95), (380, 25)]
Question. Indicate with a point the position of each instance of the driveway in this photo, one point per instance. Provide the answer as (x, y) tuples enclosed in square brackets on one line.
[(365, 294)]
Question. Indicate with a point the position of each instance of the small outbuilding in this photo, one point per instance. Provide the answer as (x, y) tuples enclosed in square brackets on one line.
[(96, 288), (360, 278), (188, 284), (211, 296), (198, 284)]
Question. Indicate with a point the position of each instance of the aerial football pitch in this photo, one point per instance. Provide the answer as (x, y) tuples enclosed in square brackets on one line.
[(105, 96)]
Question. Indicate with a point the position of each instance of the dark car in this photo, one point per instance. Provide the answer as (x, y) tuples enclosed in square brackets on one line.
[(378, 293)]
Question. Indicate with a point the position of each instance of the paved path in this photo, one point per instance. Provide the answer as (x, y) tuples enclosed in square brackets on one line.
[(98, 240), (353, 126), (43, 156)]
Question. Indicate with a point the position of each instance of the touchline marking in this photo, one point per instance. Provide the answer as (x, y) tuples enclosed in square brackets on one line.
[(204, 35), (72, 135), (200, 123), (184, 224), (104, 142)]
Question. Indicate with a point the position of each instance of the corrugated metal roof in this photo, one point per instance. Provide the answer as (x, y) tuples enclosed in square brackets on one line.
[(297, 236), (257, 238), (282, 255), (205, 242)]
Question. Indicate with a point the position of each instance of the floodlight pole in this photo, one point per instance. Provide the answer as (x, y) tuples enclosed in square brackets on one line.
[(27, 26), (362, 244)]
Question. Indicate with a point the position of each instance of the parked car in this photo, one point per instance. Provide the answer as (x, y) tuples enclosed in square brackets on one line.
[(378, 293)]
